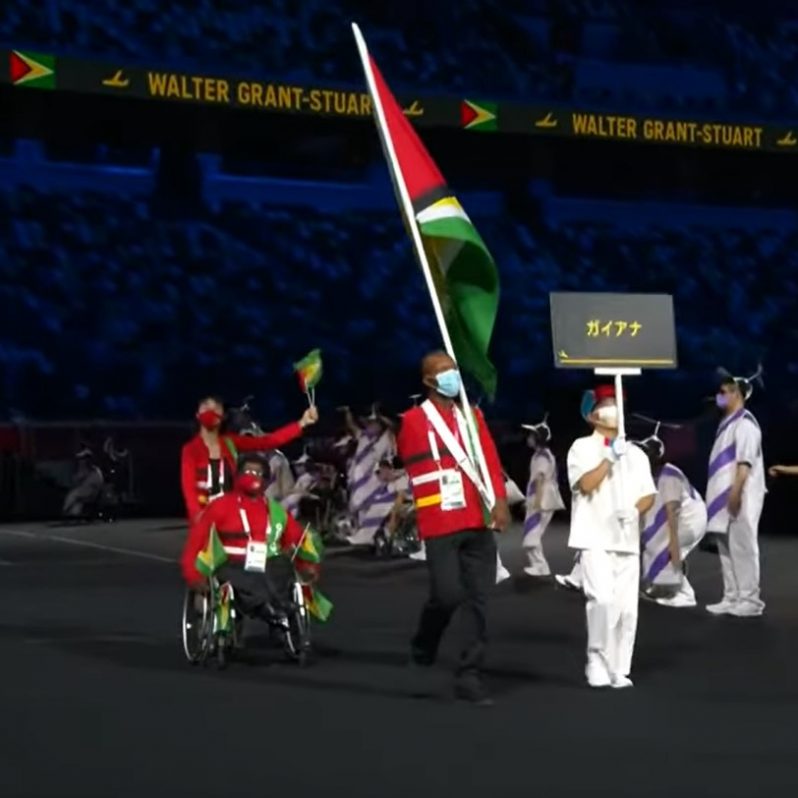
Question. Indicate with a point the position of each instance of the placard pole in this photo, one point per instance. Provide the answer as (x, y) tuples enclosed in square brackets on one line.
[(618, 375)]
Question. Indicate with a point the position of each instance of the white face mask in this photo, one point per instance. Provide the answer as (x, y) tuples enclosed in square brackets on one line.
[(608, 416)]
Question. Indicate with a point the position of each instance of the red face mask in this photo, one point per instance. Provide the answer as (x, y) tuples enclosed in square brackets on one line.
[(251, 484), (209, 419)]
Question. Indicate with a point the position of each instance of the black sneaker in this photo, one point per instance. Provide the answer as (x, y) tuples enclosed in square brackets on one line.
[(420, 677), (472, 690)]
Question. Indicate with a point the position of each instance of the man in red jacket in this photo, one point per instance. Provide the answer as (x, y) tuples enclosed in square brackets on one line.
[(460, 499), (253, 536), (208, 460)]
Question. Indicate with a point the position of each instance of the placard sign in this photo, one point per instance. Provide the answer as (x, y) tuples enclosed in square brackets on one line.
[(613, 331)]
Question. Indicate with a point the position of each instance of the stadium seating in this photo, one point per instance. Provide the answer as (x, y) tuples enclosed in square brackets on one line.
[(677, 56), (237, 293)]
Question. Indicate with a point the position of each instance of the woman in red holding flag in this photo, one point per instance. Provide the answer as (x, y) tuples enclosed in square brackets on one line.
[(208, 460)]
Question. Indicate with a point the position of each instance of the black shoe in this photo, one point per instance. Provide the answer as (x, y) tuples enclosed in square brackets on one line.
[(420, 677), (473, 691)]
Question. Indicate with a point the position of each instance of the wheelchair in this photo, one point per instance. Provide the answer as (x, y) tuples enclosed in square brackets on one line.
[(213, 625), (403, 542)]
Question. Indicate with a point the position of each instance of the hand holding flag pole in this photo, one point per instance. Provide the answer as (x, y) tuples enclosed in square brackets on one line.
[(309, 372)]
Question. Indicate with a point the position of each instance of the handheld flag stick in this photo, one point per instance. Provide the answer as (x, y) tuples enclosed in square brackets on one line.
[(301, 541), (309, 371), (486, 489)]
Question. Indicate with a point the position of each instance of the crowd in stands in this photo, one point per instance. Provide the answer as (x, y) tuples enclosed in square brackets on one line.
[(123, 312), (678, 56)]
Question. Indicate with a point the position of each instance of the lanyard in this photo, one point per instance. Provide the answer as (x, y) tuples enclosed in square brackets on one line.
[(221, 478), (244, 521), (454, 446)]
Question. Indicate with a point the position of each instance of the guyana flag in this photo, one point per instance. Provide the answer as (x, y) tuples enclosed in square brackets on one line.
[(463, 271), (33, 70), (213, 556), (311, 549), (309, 370), (479, 116), (318, 605)]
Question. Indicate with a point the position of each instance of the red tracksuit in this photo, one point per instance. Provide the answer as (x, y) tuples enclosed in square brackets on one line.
[(195, 463), (414, 449), (225, 515)]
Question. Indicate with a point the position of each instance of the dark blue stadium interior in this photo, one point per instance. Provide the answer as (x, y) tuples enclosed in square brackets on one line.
[(139, 272)]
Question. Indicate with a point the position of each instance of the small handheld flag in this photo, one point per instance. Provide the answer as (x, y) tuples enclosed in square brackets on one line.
[(309, 372)]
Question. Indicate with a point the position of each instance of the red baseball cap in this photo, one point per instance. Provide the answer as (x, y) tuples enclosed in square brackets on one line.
[(591, 398)]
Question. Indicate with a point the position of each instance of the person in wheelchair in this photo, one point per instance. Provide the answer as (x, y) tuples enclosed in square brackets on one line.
[(264, 548)]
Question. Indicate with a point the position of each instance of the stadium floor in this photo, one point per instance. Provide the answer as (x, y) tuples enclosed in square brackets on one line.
[(97, 699)]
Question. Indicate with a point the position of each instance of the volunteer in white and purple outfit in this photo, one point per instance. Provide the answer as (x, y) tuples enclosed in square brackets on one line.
[(735, 496), (375, 443), (376, 508), (306, 481), (672, 528), (543, 497)]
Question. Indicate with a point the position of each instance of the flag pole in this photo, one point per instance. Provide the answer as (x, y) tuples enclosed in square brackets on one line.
[(407, 207)]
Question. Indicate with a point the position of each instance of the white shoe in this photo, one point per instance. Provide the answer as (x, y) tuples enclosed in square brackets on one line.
[(745, 610), (419, 556), (677, 601), (621, 682), (597, 675), (502, 574), (537, 570), (567, 582), (721, 608)]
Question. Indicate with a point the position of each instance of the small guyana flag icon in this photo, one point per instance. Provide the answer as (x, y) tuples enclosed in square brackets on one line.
[(33, 70), (479, 116)]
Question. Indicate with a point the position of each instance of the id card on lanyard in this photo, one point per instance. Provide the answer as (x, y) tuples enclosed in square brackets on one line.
[(450, 480), (256, 549)]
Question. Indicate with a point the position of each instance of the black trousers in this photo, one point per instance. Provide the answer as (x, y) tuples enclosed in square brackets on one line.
[(462, 569), (261, 594)]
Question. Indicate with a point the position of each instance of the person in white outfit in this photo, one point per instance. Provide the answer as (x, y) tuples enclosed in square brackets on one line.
[(543, 497), (612, 488), (281, 478), (375, 442), (377, 508), (307, 478), (672, 528), (735, 496)]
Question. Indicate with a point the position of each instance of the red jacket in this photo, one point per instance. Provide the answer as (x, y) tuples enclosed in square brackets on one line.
[(195, 462), (225, 515), (414, 449)]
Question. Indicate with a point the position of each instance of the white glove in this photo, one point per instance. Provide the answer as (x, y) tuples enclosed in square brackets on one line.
[(620, 446)]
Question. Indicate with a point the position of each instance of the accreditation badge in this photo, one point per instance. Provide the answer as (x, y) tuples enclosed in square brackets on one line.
[(256, 556), (452, 490)]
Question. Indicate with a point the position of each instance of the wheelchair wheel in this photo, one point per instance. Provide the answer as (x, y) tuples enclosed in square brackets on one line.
[(297, 634), (197, 626), (382, 544)]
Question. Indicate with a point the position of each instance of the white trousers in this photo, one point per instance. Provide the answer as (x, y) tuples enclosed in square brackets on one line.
[(739, 562), (611, 584), (690, 535), (533, 544)]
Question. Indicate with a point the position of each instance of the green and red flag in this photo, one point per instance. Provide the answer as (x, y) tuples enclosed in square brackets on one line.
[(309, 372), (464, 273), (32, 70), (213, 556), (318, 605), (481, 116), (310, 548)]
